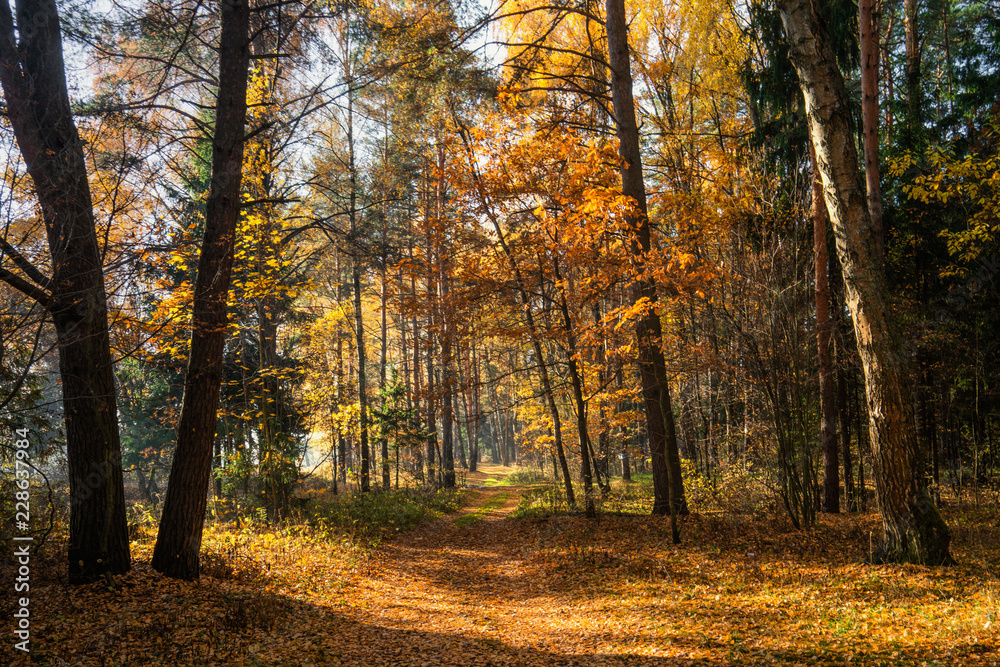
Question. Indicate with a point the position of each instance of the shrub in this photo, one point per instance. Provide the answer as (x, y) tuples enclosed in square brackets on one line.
[(525, 476), (369, 517), (736, 490), (541, 501)]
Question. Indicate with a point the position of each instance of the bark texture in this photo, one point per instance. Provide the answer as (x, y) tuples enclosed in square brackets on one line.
[(869, 115), (179, 539), (32, 74), (913, 530)]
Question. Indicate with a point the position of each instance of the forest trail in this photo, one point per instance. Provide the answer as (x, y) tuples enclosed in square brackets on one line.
[(474, 581), (479, 588)]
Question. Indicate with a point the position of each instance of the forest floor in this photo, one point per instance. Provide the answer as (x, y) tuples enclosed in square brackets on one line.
[(482, 588)]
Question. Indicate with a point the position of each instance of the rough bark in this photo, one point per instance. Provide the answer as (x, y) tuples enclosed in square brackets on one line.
[(869, 115), (913, 530), (32, 74), (668, 487), (179, 539)]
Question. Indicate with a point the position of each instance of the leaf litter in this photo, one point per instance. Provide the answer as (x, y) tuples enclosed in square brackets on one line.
[(556, 590)]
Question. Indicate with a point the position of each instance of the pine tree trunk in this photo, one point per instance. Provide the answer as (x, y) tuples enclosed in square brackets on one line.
[(179, 539), (850, 494), (869, 114), (827, 407), (668, 488), (359, 324), (341, 382), (913, 530), (914, 127), (474, 446), (447, 382), (383, 345), (577, 384), (359, 331)]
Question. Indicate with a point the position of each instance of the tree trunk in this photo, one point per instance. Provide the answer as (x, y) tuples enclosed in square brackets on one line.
[(869, 114), (850, 495), (603, 437), (577, 383), (341, 382), (463, 403), (383, 345), (474, 446), (431, 419), (359, 329), (913, 530), (668, 488), (914, 132), (359, 324), (447, 384), (827, 407), (32, 74), (179, 539)]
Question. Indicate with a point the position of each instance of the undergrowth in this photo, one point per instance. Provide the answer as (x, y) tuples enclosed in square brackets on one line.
[(734, 490), (368, 518), (477, 515)]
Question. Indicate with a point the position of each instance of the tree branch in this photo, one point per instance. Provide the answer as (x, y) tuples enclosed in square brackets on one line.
[(26, 288), (22, 263)]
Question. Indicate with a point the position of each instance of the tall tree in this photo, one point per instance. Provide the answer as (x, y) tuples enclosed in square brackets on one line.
[(868, 32), (33, 78), (827, 405), (179, 539), (667, 484), (913, 530)]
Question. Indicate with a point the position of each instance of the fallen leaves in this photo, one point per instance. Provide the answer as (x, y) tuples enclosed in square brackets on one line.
[(557, 591)]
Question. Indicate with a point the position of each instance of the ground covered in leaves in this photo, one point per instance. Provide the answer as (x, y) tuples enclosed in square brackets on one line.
[(479, 587)]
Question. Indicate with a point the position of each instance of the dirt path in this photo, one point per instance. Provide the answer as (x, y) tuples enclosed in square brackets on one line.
[(471, 580), (478, 588)]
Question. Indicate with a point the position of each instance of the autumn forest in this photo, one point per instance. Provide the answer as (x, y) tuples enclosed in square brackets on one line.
[(444, 332)]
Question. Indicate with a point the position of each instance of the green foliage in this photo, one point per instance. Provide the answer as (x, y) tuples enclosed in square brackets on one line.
[(476, 516), (541, 501), (524, 476), (735, 490), (368, 518)]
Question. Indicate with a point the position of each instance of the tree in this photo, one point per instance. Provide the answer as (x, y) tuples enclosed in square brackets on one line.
[(868, 32), (179, 538), (913, 530), (33, 78), (827, 404), (667, 484)]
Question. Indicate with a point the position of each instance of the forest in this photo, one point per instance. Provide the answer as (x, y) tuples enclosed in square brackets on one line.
[(443, 332)]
